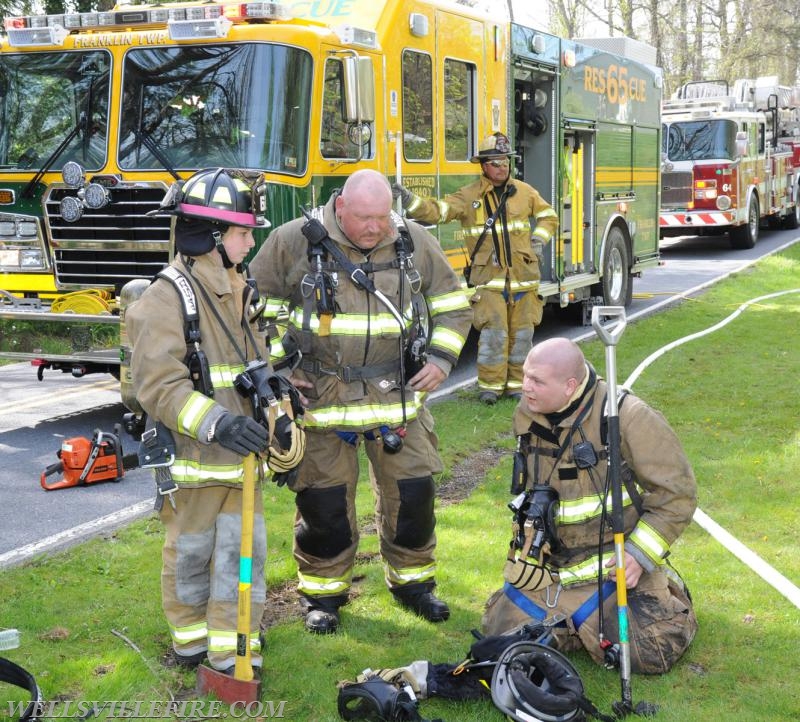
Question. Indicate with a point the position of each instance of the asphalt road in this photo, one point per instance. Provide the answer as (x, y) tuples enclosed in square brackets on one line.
[(35, 417)]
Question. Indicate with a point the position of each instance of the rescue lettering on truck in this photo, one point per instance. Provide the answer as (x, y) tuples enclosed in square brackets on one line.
[(731, 160), (101, 112), (614, 84)]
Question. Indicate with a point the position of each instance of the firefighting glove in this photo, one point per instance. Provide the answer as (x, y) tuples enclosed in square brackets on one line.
[(240, 434), (406, 196)]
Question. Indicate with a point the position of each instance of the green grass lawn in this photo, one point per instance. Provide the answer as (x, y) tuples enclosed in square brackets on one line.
[(730, 396)]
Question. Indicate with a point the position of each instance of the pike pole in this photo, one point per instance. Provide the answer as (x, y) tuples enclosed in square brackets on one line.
[(610, 337)]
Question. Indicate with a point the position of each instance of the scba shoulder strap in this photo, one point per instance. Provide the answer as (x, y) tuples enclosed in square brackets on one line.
[(320, 246), (318, 288), (186, 293), (196, 359)]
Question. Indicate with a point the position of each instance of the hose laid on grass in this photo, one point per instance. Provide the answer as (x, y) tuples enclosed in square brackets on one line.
[(21, 677), (768, 573)]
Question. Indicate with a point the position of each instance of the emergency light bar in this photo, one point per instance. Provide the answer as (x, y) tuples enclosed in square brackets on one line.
[(259, 11), (37, 36), (191, 29), (185, 22)]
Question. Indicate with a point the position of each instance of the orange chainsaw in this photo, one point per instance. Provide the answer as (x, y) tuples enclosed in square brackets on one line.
[(85, 461)]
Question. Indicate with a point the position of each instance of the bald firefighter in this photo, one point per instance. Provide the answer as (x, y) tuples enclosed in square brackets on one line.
[(377, 319), (505, 221), (561, 560)]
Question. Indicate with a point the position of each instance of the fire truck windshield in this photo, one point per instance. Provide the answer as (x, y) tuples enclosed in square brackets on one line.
[(50, 100), (240, 106), (700, 140)]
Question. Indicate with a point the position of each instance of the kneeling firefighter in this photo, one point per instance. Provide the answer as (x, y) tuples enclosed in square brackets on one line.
[(561, 558), (199, 372), (377, 319)]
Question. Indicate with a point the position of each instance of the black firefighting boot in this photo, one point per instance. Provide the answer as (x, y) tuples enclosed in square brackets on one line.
[(421, 600), (322, 613)]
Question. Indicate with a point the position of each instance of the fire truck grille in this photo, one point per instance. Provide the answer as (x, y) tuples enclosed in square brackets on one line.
[(108, 247), (676, 189)]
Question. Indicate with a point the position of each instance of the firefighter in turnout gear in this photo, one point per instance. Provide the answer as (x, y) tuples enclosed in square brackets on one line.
[(379, 319), (189, 389), (562, 517), (505, 222)]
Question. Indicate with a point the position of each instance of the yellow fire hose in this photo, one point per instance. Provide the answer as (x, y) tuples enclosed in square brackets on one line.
[(90, 302)]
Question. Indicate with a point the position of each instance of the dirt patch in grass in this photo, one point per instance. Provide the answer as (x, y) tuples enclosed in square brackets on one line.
[(283, 603), (468, 473)]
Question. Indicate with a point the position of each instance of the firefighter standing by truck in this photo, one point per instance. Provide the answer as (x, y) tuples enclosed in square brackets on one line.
[(495, 212), (358, 283), (191, 384)]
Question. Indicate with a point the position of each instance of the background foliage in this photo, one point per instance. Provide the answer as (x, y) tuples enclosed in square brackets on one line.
[(694, 39)]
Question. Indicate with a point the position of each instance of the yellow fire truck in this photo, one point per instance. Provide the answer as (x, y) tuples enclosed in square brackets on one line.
[(731, 159), (100, 112)]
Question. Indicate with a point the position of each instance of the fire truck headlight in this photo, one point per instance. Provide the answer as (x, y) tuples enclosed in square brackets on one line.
[(70, 209), (96, 196), (72, 173), (724, 203), (31, 259), (27, 229)]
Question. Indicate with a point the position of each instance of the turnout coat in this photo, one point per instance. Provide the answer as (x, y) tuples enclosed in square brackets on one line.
[(506, 251), (659, 499), (162, 380), (659, 480), (351, 357)]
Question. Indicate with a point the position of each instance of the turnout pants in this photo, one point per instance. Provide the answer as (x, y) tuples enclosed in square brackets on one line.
[(326, 525), (506, 327), (662, 622), (200, 572)]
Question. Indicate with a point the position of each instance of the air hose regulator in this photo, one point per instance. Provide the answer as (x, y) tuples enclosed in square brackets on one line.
[(535, 510)]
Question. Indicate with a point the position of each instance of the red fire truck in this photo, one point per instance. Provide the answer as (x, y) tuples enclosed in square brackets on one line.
[(730, 159)]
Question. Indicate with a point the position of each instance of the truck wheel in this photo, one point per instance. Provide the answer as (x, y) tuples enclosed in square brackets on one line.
[(616, 284), (746, 235)]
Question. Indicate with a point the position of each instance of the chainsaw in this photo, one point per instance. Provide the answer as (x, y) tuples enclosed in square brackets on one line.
[(84, 461)]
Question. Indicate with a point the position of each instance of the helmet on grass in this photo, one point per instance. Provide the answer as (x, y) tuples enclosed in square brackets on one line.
[(533, 681)]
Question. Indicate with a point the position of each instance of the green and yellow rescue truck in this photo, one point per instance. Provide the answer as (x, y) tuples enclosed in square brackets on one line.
[(100, 112)]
